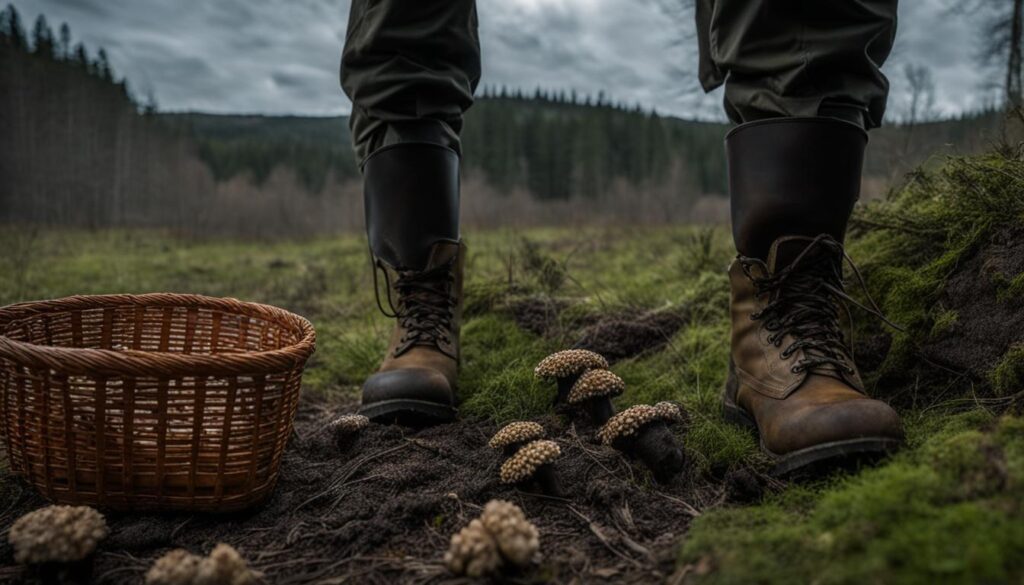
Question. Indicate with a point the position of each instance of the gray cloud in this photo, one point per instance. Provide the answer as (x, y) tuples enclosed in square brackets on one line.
[(282, 57)]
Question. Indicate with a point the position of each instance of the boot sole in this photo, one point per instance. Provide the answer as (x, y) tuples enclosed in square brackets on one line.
[(845, 454), (413, 413)]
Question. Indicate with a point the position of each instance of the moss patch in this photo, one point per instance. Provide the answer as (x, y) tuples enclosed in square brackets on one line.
[(947, 511)]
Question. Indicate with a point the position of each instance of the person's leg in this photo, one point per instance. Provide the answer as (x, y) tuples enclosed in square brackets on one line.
[(802, 80), (410, 68)]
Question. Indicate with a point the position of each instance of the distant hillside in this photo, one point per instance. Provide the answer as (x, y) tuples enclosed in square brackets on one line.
[(554, 149), (77, 149)]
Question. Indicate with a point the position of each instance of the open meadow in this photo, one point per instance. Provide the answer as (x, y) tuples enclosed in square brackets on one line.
[(943, 257)]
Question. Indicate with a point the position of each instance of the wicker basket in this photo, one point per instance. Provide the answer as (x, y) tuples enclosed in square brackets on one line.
[(150, 402)]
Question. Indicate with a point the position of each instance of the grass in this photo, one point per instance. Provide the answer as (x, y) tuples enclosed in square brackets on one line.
[(947, 509)]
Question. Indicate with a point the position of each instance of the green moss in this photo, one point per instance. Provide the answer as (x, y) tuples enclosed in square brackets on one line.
[(947, 511), (1008, 375), (1013, 288), (943, 322), (497, 371)]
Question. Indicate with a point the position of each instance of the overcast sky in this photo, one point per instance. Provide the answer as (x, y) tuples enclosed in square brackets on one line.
[(281, 56)]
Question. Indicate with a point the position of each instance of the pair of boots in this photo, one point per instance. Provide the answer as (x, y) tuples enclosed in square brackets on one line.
[(793, 184)]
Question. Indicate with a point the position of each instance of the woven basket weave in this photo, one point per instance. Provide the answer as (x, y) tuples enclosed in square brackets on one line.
[(156, 401)]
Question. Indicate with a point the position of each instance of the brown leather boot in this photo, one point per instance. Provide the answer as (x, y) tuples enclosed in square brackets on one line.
[(412, 203), (791, 374)]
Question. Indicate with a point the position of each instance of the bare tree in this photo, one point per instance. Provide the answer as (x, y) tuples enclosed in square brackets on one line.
[(1002, 41), (921, 98), (920, 104)]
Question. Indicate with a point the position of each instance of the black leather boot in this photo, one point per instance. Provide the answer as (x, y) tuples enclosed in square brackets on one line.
[(412, 217)]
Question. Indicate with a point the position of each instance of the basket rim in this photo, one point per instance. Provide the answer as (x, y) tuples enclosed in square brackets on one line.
[(155, 364)]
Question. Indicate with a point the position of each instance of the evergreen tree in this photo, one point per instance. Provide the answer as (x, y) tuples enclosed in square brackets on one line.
[(14, 33), (65, 41), (42, 38), (102, 66)]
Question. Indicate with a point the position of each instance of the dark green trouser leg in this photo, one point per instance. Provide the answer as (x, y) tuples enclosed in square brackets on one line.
[(410, 68), (797, 57)]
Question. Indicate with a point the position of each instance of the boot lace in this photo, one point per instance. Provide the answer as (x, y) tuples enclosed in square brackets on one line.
[(425, 308), (804, 302)]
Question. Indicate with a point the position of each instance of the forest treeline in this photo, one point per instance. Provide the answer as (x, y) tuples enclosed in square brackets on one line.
[(77, 148)]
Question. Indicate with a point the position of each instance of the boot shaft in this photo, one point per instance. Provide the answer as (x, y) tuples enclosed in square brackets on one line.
[(792, 176), (411, 200)]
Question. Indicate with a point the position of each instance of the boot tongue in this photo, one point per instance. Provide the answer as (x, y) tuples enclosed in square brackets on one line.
[(441, 253)]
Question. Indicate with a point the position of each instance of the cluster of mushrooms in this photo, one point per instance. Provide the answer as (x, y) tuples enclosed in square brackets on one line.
[(529, 457), (586, 384), (223, 566), (58, 545), (501, 537)]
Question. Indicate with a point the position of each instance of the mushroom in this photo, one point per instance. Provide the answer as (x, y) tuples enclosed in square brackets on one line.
[(518, 539), (533, 462), (58, 541), (595, 390), (224, 566), (566, 367), (347, 425), (472, 551), (642, 430), (501, 535), (177, 567), (514, 435)]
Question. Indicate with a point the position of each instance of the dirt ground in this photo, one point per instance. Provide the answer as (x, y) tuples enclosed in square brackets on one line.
[(382, 507)]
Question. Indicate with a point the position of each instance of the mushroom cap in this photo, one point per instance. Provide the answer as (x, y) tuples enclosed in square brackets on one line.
[(347, 424), (517, 538), (58, 534), (594, 384), (525, 462), (472, 551), (517, 432), (569, 363), (632, 419), (224, 566), (177, 567), (669, 410)]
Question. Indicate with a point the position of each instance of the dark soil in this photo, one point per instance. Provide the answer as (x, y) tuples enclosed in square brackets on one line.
[(622, 337), (381, 509), (616, 337), (987, 325)]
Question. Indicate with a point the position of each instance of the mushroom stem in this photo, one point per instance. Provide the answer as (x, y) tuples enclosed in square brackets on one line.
[(510, 449), (547, 479), (655, 445), (564, 386), (600, 409)]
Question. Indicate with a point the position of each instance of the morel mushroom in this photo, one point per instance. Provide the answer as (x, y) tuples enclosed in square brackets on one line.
[(518, 539), (566, 367), (58, 542), (534, 463), (346, 426), (514, 435), (473, 551), (594, 390), (501, 535), (642, 431), (224, 566)]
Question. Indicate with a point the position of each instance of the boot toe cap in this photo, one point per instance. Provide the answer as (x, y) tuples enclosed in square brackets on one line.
[(414, 393), (862, 418)]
